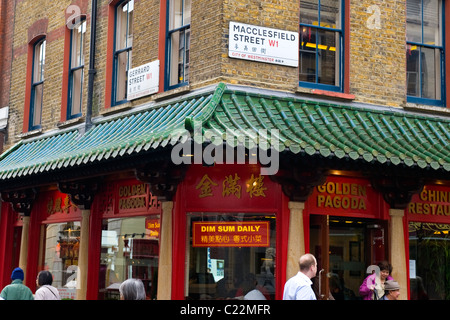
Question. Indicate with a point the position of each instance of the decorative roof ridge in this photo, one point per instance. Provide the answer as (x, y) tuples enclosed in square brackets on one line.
[(353, 106), (208, 110)]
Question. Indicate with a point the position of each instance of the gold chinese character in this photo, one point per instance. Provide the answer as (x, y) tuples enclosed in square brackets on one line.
[(58, 207), (205, 186), (66, 204), (50, 209), (231, 186), (256, 186)]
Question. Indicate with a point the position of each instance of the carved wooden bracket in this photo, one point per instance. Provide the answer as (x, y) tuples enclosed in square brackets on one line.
[(21, 201), (397, 191), (163, 178), (81, 193), (298, 182)]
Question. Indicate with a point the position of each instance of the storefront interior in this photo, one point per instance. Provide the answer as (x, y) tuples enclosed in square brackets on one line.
[(429, 261), (344, 248)]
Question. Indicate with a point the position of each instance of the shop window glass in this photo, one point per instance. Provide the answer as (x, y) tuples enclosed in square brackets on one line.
[(320, 44), (129, 249), (225, 263), (429, 260), (62, 243), (425, 51)]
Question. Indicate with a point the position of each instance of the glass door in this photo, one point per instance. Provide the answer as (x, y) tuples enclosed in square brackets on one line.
[(344, 248)]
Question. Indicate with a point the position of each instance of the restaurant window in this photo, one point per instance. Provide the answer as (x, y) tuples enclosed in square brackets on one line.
[(424, 51), (129, 249), (76, 71), (178, 42), (230, 255), (321, 37), (62, 245), (429, 261), (123, 43), (37, 85)]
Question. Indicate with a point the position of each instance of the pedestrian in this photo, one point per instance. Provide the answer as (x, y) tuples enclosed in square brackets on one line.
[(16, 290), (299, 286), (372, 287), (132, 289), (46, 291), (391, 290)]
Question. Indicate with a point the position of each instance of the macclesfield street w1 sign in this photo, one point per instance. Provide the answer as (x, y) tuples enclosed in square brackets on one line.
[(262, 44)]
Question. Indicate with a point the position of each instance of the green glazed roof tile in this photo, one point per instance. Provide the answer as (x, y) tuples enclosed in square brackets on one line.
[(284, 121)]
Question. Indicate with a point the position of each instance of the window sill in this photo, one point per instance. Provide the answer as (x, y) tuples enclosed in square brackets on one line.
[(426, 108), (30, 134), (68, 123), (326, 93), (116, 109), (172, 93)]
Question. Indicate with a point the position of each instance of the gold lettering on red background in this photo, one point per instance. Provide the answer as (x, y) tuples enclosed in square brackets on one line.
[(434, 202), (338, 195), (255, 186), (132, 196)]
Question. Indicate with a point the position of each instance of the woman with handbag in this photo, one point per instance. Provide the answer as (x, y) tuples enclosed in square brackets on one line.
[(372, 287)]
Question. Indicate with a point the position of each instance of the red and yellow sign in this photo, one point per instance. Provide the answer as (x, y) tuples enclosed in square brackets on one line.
[(344, 196), (231, 234), (432, 203)]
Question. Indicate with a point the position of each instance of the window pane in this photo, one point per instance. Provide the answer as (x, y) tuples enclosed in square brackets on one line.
[(231, 271), (414, 20), (429, 73), (129, 249), (122, 67), (329, 13), (180, 43), (124, 25), (307, 65), (78, 40), (413, 69), (37, 104), (187, 12), (176, 14), (431, 22), (327, 57), (39, 61), (76, 91), (62, 244), (309, 12), (429, 250)]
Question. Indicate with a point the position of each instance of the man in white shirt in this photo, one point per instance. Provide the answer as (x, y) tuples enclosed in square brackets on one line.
[(299, 286)]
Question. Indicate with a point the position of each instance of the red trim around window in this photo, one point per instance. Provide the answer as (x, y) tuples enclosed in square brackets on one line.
[(110, 53), (36, 32), (447, 57), (29, 72), (65, 79), (187, 200), (346, 84), (162, 42)]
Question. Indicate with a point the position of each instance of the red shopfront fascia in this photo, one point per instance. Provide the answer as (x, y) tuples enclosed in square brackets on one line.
[(345, 197), (228, 188), (9, 221), (120, 199), (117, 199), (431, 205)]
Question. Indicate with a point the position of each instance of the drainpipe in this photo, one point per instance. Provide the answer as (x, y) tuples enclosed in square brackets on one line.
[(92, 71)]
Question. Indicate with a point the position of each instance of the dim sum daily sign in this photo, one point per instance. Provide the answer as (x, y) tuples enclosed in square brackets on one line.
[(231, 234)]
